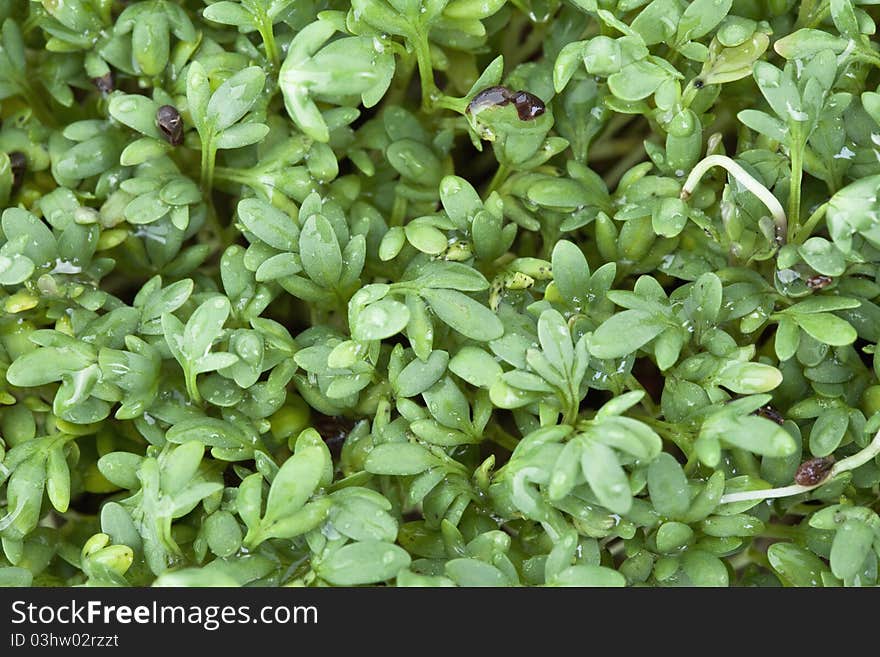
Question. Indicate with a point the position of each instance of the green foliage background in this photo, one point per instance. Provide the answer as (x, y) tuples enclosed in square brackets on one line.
[(340, 326)]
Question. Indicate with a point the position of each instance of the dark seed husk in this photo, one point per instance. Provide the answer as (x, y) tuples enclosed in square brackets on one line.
[(814, 471), (18, 164), (770, 413), (528, 106), (170, 124), (105, 84)]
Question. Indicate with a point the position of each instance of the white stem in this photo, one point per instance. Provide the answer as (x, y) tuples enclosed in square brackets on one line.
[(747, 181), (785, 491), (845, 465)]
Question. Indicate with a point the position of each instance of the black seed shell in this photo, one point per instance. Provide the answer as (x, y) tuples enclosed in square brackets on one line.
[(18, 164), (104, 83), (170, 124), (770, 413), (528, 106)]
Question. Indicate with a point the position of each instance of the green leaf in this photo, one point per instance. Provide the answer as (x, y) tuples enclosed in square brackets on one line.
[(13, 576), (232, 99), (751, 433), (399, 459), (229, 13), (31, 236), (851, 545), (367, 562), (15, 269), (851, 212), (213, 432), (222, 533), (137, 112), (468, 317), (426, 238), (418, 376), (796, 565), (701, 17), (828, 431), (243, 134), (58, 479), (593, 576), (628, 435), (475, 366), (827, 328), (121, 468), (555, 340), (668, 486), (472, 572), (320, 252), (749, 378), (637, 80), (198, 93), (300, 522), (363, 515), (656, 22), (205, 326), (294, 483), (669, 217), (704, 569), (571, 272), (45, 365), (624, 333), (459, 199), (605, 476), (380, 320), (823, 256)]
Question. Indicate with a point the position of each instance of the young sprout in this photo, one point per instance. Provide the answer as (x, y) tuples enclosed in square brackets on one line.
[(810, 471), (777, 212)]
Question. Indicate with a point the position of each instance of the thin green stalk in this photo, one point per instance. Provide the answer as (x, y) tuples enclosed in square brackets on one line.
[(403, 75), (812, 13), (810, 224), (524, 51), (426, 70), (775, 530), (574, 408), (37, 104), (498, 179), (458, 105), (867, 56), (794, 189), (667, 431), (209, 154), (623, 165), (740, 560), (647, 403), (500, 437), (398, 211), (224, 236), (228, 174), (192, 388), (607, 150), (267, 33)]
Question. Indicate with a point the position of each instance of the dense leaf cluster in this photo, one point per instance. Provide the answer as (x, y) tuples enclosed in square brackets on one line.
[(439, 292)]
